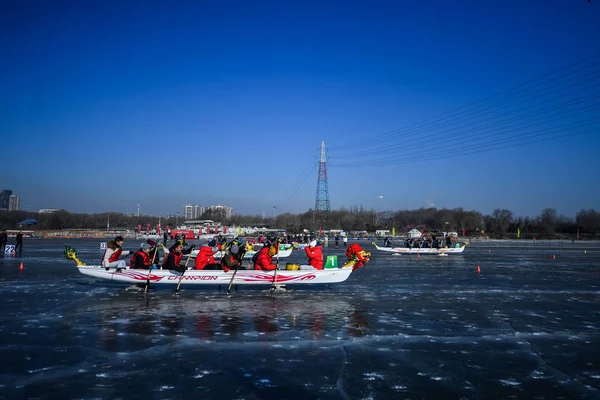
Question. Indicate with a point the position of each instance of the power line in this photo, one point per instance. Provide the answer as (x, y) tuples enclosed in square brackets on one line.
[(458, 113), (568, 130), (486, 127), (493, 128), (304, 175)]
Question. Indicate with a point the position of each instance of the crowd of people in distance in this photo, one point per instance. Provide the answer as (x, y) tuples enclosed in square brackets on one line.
[(231, 255)]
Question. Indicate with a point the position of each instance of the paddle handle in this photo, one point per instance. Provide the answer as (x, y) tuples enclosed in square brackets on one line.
[(184, 269), (150, 270), (276, 269)]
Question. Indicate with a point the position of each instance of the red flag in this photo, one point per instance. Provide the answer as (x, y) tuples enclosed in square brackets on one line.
[(139, 229), (321, 231), (577, 233), (464, 232), (148, 229), (158, 229)]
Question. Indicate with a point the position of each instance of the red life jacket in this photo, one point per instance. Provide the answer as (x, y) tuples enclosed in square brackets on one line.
[(147, 259), (177, 258), (115, 256)]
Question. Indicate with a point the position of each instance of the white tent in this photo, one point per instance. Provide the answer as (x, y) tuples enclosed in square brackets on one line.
[(414, 234)]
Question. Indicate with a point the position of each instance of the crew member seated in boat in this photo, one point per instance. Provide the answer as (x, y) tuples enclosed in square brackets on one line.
[(205, 258), (114, 250), (173, 260), (434, 242), (314, 252), (448, 241), (233, 258), (141, 258), (387, 242), (264, 258), (154, 256)]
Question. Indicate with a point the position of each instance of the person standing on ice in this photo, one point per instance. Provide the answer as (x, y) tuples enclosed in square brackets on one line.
[(114, 250), (19, 245), (3, 240), (314, 252)]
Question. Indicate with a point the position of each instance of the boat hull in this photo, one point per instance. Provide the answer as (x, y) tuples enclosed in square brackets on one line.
[(202, 277)]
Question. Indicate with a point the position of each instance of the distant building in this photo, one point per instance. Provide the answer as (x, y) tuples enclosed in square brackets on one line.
[(414, 234), (192, 211), (48, 210), (5, 199), (13, 202), (225, 211)]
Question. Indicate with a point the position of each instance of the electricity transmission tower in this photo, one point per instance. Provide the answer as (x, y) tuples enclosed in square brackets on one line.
[(322, 201)]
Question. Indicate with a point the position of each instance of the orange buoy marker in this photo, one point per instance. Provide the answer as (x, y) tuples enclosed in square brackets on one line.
[(553, 255), (478, 269), (418, 256), (21, 266)]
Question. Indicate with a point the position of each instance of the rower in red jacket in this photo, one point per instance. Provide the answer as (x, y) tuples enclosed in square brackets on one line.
[(264, 261), (314, 252), (206, 256)]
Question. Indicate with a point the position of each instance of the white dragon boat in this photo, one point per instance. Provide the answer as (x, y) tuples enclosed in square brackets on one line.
[(423, 250), (282, 277), (206, 277)]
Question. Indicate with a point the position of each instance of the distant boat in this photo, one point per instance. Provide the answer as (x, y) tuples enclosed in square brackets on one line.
[(420, 250)]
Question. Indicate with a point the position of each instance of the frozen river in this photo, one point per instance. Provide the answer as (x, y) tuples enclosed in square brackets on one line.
[(405, 327)]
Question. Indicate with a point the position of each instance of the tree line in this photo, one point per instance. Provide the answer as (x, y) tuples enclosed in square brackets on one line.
[(500, 224)]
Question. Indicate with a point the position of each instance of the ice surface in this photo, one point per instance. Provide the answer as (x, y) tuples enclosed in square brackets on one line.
[(526, 326)]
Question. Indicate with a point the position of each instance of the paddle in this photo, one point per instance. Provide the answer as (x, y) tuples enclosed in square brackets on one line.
[(235, 271), (420, 247), (274, 285), (150, 270), (184, 269)]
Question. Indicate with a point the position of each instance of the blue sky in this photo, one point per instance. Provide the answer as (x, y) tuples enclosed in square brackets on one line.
[(106, 105)]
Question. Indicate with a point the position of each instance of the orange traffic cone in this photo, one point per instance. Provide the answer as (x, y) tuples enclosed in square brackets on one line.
[(478, 269), (21, 266)]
